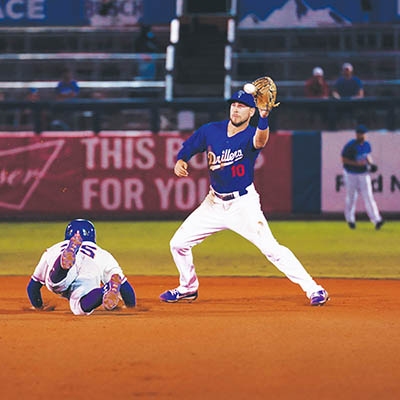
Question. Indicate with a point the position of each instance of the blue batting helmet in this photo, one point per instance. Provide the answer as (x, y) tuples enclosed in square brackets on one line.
[(85, 228)]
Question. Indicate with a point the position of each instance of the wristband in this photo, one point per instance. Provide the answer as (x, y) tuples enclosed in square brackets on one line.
[(262, 123)]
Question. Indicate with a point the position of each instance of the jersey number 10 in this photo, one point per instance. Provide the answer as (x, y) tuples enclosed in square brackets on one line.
[(237, 170)]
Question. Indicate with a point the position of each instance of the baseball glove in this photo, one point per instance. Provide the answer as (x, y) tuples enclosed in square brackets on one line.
[(265, 95), (372, 168)]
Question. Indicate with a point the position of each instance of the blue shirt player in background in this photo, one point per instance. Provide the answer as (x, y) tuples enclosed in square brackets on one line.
[(357, 159), (232, 147)]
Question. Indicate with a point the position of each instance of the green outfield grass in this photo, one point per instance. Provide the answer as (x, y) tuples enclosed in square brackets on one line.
[(326, 249)]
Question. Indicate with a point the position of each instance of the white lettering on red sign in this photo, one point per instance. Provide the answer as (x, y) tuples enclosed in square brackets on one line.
[(184, 193), (119, 153), (113, 194)]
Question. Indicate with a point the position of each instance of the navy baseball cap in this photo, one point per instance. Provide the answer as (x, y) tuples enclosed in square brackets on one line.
[(242, 97), (361, 129)]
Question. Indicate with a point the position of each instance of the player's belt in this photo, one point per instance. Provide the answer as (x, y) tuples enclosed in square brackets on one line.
[(229, 196)]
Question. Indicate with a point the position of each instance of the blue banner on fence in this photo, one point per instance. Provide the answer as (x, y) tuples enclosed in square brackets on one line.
[(19, 13), (42, 13), (256, 14), (251, 13)]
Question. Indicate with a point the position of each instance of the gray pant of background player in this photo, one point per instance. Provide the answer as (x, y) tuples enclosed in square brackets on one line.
[(355, 184)]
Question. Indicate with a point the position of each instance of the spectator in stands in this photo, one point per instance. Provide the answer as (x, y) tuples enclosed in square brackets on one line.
[(348, 86), (146, 44), (67, 87), (32, 94), (316, 86), (27, 117)]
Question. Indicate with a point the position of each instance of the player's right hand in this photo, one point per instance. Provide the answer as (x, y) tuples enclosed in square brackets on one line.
[(181, 168)]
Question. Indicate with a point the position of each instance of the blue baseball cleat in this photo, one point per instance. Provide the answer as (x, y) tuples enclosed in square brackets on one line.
[(68, 256), (111, 292), (379, 224), (172, 296), (319, 298)]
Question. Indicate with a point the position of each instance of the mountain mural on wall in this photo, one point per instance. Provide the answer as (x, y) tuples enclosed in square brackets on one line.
[(296, 13)]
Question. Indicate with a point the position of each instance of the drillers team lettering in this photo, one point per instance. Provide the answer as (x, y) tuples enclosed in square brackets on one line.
[(226, 158)]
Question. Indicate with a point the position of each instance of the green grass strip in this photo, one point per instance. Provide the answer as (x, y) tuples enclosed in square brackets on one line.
[(326, 248)]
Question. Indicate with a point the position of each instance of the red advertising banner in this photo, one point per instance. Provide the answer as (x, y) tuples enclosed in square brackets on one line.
[(119, 174)]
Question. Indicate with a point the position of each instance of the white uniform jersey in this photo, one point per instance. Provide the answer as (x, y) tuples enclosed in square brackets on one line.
[(93, 267)]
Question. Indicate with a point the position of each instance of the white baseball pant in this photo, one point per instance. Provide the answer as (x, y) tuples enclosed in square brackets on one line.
[(359, 183), (244, 216)]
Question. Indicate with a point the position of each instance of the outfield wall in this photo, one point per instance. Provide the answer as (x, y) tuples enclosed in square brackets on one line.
[(130, 174)]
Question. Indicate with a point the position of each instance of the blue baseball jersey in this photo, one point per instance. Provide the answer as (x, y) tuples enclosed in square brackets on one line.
[(231, 160), (67, 87), (356, 151)]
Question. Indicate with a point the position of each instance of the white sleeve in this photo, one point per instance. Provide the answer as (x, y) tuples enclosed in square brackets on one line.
[(108, 265), (46, 262), (39, 274)]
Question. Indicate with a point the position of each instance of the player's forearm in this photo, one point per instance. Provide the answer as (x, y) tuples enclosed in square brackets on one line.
[(33, 290), (128, 294), (349, 161), (262, 132), (261, 138)]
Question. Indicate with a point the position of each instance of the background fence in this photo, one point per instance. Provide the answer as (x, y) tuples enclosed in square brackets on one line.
[(185, 83)]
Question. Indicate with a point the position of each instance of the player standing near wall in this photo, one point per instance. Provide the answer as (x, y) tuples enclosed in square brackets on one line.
[(233, 203), (357, 165)]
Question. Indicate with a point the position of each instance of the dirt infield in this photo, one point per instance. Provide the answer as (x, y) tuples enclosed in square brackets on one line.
[(244, 338)]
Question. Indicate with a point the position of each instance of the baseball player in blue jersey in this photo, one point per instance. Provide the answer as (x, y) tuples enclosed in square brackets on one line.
[(81, 271), (357, 164), (233, 203)]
